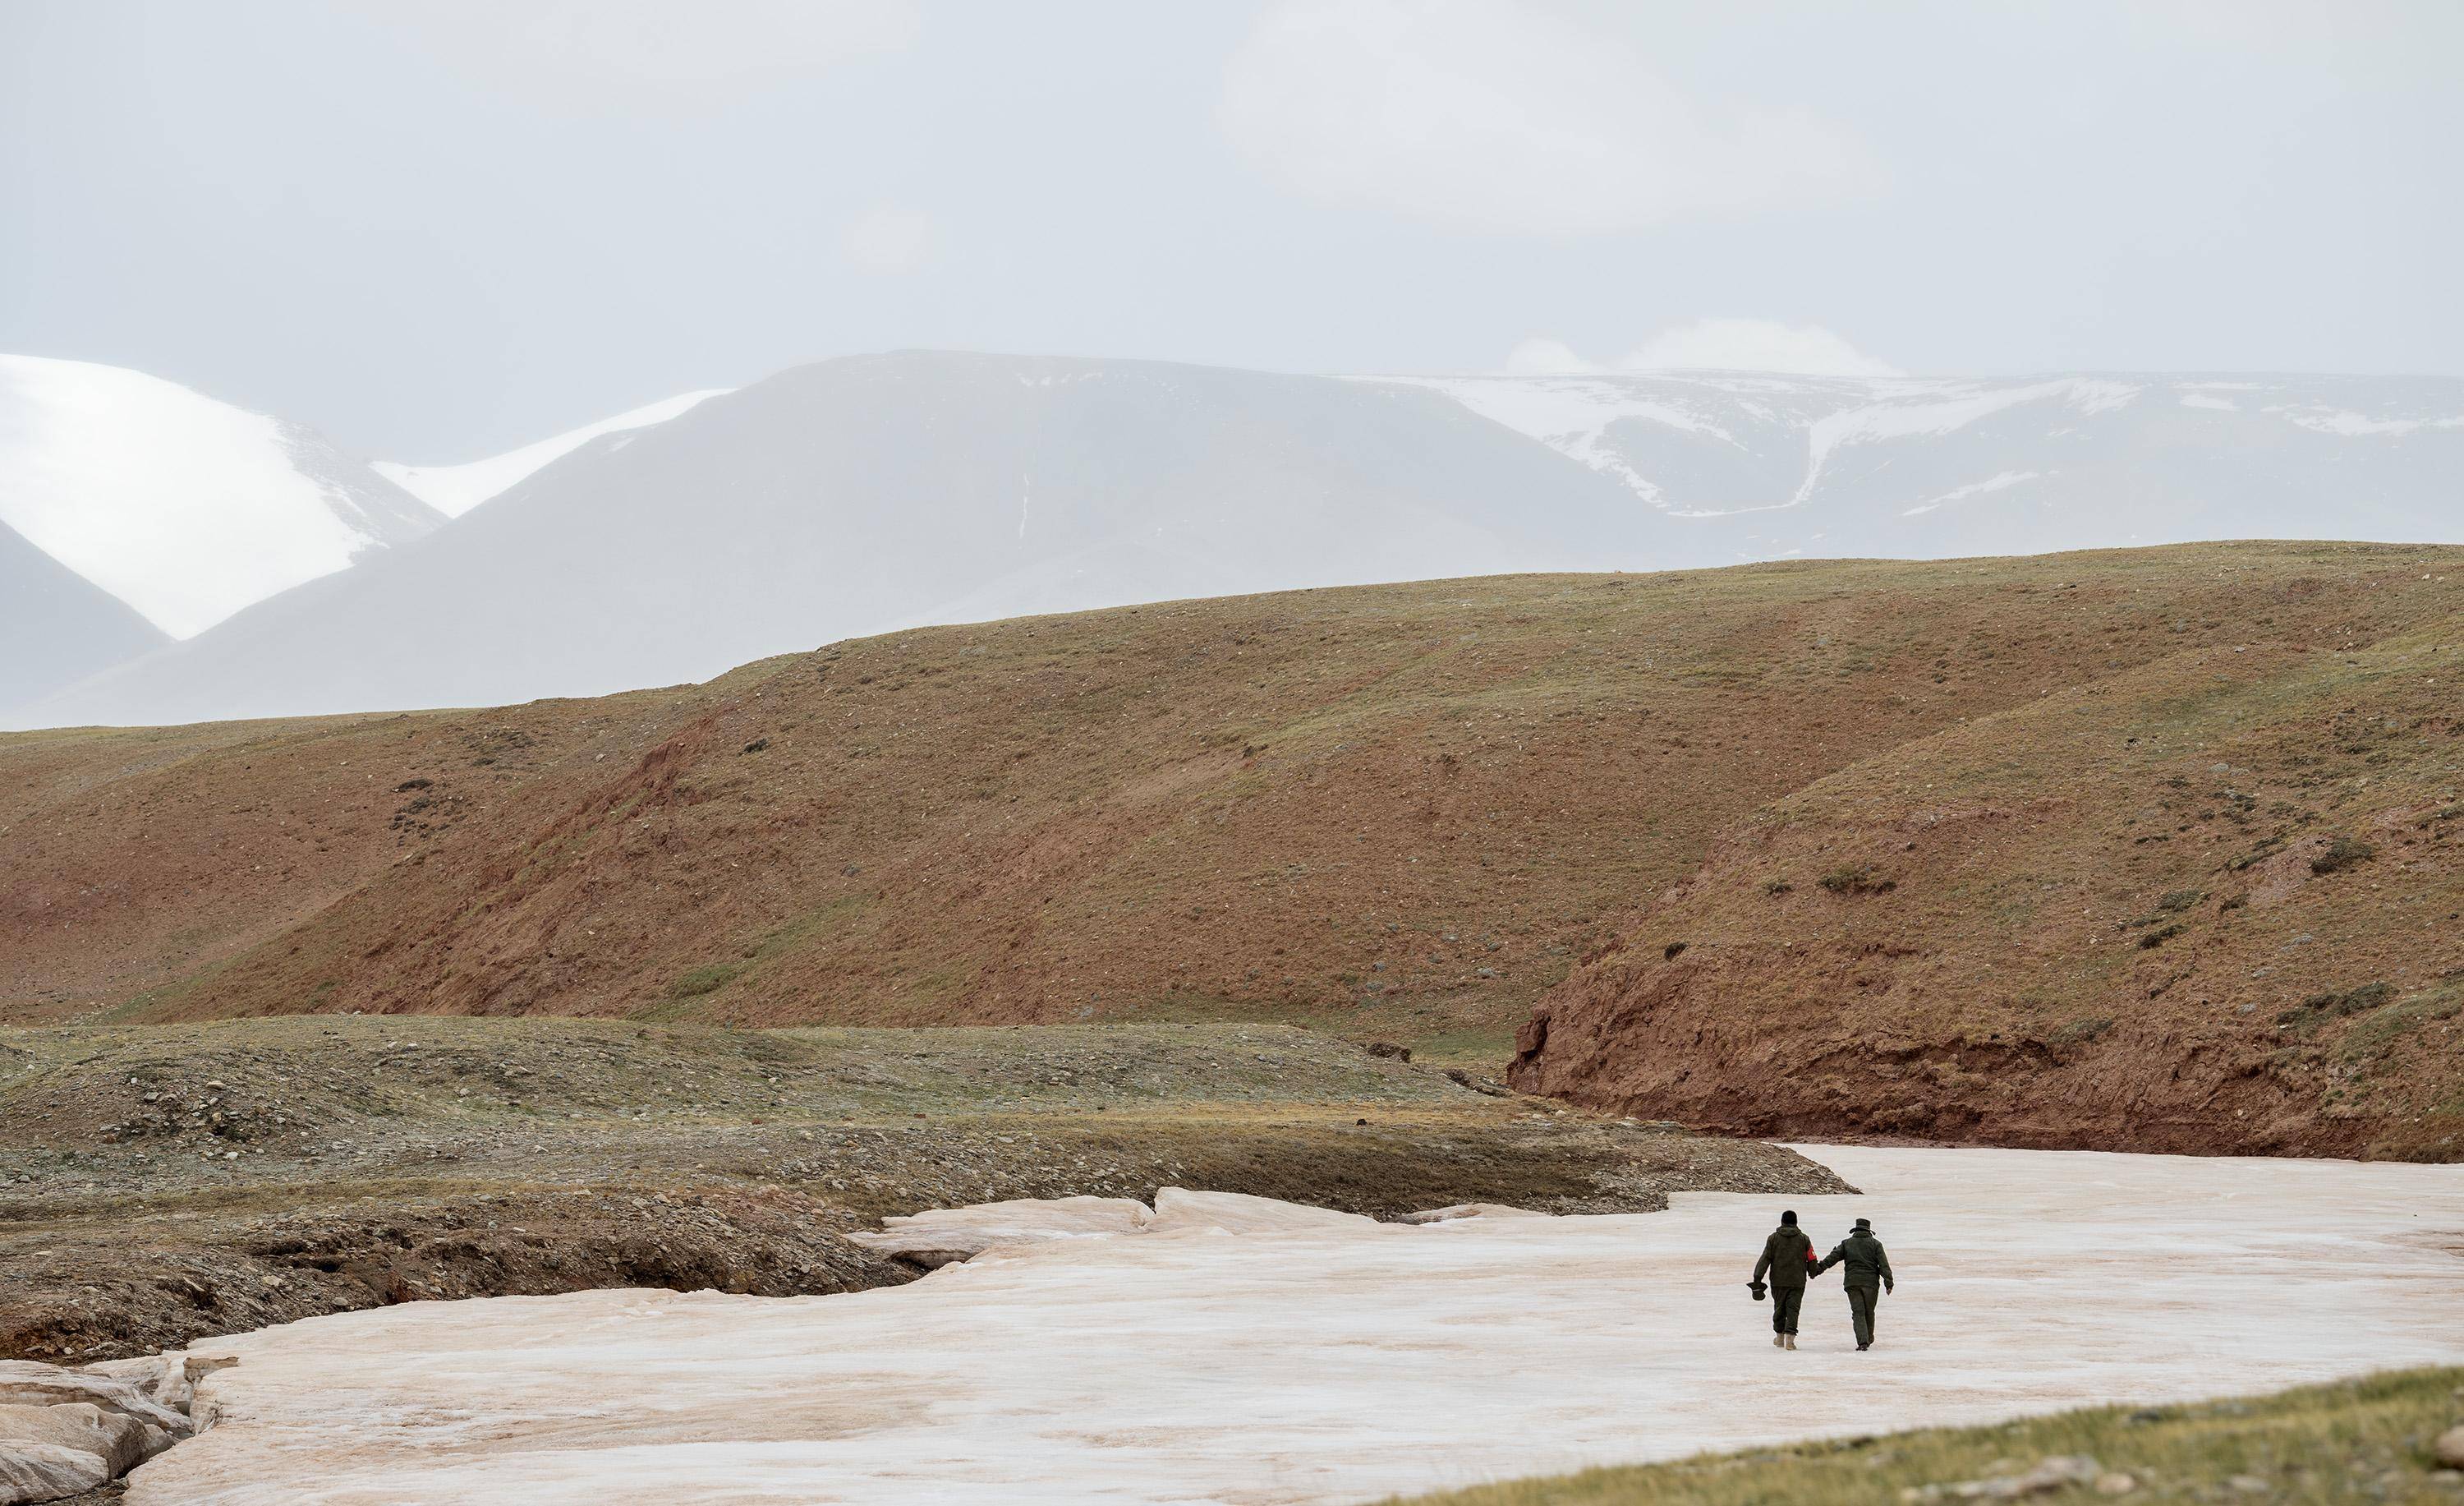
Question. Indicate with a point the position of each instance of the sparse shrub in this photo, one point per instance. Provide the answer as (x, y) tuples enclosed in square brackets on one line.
[(2079, 1031), (2344, 853), (2336, 1006), (1856, 879), (1777, 886), (696, 981), (2159, 937)]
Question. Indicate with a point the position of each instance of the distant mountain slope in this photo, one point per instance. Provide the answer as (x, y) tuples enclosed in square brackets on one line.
[(455, 489), (877, 492), (55, 626), (183, 507), (1763, 466), (870, 492), (1406, 812)]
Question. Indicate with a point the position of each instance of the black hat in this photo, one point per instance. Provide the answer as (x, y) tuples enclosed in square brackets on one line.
[(1789, 1217), (1865, 1224)]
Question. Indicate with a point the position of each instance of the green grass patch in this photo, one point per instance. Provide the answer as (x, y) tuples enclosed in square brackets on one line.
[(2360, 1441), (694, 982)]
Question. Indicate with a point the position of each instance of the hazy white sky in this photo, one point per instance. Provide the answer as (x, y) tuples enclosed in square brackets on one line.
[(439, 229)]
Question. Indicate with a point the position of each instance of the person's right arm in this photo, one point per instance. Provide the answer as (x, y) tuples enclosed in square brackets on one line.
[(1765, 1263)]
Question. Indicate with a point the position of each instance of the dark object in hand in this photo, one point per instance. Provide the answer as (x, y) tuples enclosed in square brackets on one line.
[(1757, 1289)]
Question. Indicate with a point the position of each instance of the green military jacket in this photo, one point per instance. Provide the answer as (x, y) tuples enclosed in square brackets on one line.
[(1788, 1255), (1862, 1253)]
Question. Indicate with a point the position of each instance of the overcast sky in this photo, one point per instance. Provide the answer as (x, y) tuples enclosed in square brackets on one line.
[(439, 228)]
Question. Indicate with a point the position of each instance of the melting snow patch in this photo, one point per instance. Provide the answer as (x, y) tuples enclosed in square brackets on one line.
[(2340, 421), (1992, 483)]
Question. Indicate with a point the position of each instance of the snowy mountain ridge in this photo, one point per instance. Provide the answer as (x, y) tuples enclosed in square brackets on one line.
[(875, 493), (1769, 465), (455, 489), (185, 508)]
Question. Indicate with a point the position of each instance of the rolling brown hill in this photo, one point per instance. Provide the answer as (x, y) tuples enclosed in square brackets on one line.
[(1397, 811), (2214, 901)]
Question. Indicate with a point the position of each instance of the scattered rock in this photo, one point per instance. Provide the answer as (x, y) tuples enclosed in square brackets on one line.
[(2050, 1474), (2449, 1449)]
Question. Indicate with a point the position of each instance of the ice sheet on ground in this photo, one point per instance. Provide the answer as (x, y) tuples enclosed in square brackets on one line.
[(1348, 1360), (940, 1235)]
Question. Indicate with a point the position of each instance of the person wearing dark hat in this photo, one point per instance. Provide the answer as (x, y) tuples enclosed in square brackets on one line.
[(1868, 1269), (1787, 1257)]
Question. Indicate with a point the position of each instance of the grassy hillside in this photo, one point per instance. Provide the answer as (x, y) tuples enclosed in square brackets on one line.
[(2211, 901), (1397, 811), (2364, 1441)]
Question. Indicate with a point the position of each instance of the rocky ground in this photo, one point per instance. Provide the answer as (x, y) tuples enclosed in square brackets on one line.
[(159, 1184)]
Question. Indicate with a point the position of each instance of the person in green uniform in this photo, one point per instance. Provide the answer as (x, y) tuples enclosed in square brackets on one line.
[(1788, 1255), (1868, 1269)]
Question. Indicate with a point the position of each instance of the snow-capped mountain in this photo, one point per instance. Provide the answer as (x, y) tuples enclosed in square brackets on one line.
[(874, 493), (866, 494), (455, 489), (185, 508), (1761, 466)]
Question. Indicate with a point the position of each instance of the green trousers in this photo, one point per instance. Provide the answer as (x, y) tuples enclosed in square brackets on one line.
[(1785, 1302), (1861, 1301)]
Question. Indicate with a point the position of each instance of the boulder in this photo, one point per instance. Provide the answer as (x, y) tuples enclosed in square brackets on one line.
[(2449, 1449), (47, 1472)]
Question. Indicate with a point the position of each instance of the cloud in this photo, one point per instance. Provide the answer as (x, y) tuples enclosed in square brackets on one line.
[(1549, 357), (889, 239), (1753, 345), (1713, 344), (1499, 117), (616, 51)]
